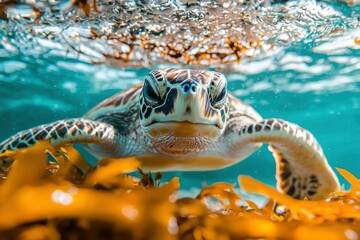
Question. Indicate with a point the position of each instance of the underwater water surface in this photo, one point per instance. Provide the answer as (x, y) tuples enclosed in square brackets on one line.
[(307, 70)]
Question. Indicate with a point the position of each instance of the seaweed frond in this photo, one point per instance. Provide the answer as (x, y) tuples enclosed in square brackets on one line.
[(53, 193)]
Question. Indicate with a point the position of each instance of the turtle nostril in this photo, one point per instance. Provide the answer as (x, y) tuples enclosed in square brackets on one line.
[(193, 88), (186, 88), (189, 87)]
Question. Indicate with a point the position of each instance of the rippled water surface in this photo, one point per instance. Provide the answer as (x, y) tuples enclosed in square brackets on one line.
[(296, 60)]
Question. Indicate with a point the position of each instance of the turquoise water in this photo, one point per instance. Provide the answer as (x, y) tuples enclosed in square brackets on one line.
[(312, 80)]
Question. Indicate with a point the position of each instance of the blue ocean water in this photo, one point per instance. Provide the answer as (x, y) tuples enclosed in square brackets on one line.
[(313, 81)]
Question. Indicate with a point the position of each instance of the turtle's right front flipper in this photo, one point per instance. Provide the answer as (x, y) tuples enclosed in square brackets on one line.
[(75, 130), (302, 168)]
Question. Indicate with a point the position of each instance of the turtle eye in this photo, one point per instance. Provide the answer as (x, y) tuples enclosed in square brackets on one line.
[(218, 101), (150, 95)]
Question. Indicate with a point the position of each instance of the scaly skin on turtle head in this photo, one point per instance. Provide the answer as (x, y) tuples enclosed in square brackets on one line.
[(183, 110)]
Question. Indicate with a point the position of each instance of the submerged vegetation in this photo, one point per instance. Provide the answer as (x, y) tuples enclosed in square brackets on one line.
[(52, 193)]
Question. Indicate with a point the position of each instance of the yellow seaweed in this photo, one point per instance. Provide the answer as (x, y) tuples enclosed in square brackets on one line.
[(53, 193), (319, 210), (222, 191), (112, 169), (75, 158)]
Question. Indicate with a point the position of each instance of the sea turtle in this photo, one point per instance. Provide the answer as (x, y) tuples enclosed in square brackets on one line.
[(181, 119)]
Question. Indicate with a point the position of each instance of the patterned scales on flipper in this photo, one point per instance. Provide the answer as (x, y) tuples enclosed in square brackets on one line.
[(290, 181), (302, 169), (61, 132)]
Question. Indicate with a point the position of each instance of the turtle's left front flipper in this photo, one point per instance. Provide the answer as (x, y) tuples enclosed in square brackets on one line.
[(302, 169), (61, 132)]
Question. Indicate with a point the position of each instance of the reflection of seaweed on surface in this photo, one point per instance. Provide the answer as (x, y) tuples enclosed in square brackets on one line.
[(131, 33), (54, 194)]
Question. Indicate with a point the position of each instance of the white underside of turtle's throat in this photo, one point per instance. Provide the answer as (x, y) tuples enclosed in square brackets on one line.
[(181, 139), (183, 129)]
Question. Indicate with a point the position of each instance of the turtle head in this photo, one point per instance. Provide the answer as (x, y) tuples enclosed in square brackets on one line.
[(186, 107)]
